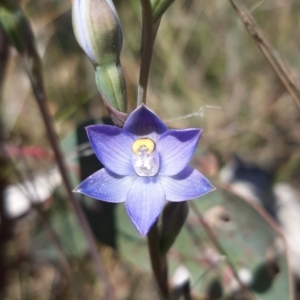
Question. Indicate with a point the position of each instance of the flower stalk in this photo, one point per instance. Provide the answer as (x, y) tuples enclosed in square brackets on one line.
[(146, 164), (146, 51)]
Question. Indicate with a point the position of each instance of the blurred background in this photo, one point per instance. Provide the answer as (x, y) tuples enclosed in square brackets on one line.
[(205, 66)]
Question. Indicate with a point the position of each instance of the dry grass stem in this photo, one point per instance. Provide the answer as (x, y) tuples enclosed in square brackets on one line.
[(273, 58)]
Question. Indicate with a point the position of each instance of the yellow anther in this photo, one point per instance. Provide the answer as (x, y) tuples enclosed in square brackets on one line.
[(143, 144)]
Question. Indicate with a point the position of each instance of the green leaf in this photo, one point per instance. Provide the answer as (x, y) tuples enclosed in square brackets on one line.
[(251, 241)]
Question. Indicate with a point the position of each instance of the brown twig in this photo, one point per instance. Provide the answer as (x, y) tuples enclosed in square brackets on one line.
[(272, 57), (33, 68)]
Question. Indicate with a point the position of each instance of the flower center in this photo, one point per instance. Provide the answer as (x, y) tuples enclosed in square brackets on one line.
[(145, 158)]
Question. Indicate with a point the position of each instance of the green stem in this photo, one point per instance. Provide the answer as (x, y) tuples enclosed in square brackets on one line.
[(160, 8), (147, 49), (158, 262)]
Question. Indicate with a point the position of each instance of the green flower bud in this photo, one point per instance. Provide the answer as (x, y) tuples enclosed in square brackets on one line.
[(98, 31), (111, 85)]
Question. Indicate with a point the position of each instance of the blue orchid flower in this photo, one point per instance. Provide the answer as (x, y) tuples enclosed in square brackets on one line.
[(145, 164)]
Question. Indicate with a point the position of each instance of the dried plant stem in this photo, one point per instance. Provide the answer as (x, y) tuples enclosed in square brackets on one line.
[(146, 49), (158, 262), (33, 68), (272, 57), (217, 245)]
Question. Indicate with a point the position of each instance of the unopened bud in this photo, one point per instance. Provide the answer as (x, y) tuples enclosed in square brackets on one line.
[(98, 31), (111, 85)]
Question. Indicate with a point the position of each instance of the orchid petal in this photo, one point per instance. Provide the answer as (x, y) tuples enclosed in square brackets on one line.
[(143, 122), (176, 148), (106, 186), (145, 201), (186, 185), (112, 146)]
